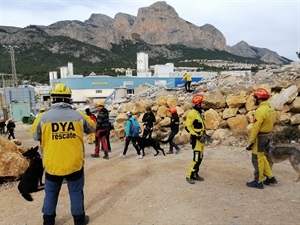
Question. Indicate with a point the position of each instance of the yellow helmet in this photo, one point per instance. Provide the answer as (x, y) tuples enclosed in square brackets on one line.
[(42, 109), (61, 91), (100, 103)]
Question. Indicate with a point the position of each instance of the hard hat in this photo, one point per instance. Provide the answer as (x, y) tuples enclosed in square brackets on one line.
[(148, 108), (42, 109), (100, 103), (197, 99), (61, 91), (129, 113), (172, 110), (261, 93)]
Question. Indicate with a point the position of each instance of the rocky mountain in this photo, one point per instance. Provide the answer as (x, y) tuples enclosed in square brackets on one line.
[(245, 50), (157, 27)]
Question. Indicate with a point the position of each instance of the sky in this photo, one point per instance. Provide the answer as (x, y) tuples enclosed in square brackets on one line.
[(274, 25)]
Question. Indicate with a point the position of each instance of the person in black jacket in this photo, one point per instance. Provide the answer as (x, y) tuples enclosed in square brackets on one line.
[(2, 126), (149, 120), (174, 125), (102, 128), (11, 128)]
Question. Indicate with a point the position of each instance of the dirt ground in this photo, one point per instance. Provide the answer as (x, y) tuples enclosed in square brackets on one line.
[(153, 191)]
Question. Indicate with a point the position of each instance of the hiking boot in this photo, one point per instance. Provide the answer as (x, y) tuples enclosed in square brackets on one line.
[(86, 220), (139, 157), (255, 184), (269, 181), (177, 151), (169, 152), (122, 156), (198, 178), (95, 156), (190, 181)]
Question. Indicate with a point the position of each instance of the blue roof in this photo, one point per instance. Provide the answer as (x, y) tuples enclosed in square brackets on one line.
[(108, 82)]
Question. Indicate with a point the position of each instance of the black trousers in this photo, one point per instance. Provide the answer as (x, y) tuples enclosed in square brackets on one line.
[(135, 144), (171, 142)]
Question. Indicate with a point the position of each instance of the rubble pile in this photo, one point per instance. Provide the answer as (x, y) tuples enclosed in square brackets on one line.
[(230, 107), (12, 163)]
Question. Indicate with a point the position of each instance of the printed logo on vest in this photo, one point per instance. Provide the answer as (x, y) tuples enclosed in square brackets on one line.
[(63, 130)]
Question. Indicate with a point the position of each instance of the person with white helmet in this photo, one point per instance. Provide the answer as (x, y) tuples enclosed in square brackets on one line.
[(132, 134), (60, 131)]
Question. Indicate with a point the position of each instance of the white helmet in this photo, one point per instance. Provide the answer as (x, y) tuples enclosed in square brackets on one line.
[(129, 113)]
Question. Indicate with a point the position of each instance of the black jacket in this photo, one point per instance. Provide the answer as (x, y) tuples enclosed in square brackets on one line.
[(174, 122), (149, 119), (11, 126), (103, 119)]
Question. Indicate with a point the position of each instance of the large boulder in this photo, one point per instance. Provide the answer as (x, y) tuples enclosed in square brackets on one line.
[(12, 163)]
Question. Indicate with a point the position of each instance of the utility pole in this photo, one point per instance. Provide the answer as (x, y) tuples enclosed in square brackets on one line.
[(13, 67)]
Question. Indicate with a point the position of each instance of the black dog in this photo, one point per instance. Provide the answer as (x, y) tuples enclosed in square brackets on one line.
[(33, 175), (150, 142)]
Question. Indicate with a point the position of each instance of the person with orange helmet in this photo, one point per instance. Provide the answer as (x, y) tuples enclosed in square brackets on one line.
[(174, 125), (259, 139), (195, 126), (102, 128)]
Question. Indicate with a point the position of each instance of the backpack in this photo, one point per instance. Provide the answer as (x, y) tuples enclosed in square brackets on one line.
[(134, 128)]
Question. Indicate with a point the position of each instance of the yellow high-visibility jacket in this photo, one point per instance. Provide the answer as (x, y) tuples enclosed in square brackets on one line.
[(60, 131), (187, 77), (263, 122)]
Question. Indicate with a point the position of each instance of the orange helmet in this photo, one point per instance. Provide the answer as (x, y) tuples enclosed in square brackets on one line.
[(197, 99), (172, 110), (261, 93)]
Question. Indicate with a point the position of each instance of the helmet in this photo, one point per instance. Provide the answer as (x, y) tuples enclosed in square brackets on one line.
[(197, 99), (172, 110), (129, 113), (100, 103), (148, 108), (261, 93), (42, 109), (61, 91)]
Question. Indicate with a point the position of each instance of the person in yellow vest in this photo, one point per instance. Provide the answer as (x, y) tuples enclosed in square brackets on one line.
[(259, 139), (188, 80), (195, 126), (60, 132)]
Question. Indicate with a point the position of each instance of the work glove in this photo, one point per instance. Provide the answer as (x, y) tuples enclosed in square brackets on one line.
[(249, 147)]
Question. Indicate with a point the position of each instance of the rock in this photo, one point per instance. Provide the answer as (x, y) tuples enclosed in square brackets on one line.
[(12, 163)]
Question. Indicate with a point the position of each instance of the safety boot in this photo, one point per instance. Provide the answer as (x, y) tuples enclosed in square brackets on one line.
[(190, 181), (48, 219), (105, 155), (269, 181), (169, 152), (198, 178), (255, 184), (95, 156)]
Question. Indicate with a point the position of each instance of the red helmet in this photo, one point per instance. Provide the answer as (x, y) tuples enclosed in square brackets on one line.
[(172, 110), (197, 99), (261, 93)]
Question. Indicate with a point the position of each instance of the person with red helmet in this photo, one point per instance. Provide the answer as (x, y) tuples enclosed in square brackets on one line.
[(195, 126), (174, 125), (259, 139)]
